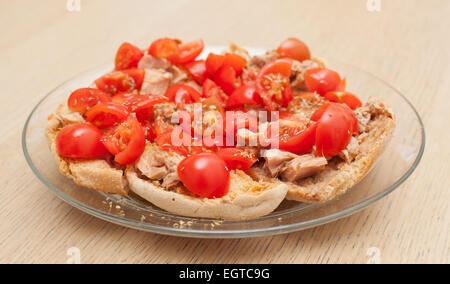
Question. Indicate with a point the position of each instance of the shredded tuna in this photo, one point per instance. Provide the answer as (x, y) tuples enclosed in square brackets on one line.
[(302, 167), (156, 82), (150, 62), (260, 60), (275, 160)]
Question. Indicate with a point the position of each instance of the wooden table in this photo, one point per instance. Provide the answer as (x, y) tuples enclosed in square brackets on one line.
[(407, 43)]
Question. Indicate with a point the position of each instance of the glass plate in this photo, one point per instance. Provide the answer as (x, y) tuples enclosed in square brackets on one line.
[(392, 168)]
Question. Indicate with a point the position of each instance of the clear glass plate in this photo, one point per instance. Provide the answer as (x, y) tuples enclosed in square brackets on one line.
[(392, 168)]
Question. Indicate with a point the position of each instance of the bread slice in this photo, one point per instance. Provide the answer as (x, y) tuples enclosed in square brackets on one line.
[(340, 175), (91, 173), (246, 199)]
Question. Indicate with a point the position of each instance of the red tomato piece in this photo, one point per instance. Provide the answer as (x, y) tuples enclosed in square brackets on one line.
[(205, 175), (237, 62), (125, 98), (236, 158), (317, 115), (143, 106), (245, 94), (213, 64), (182, 94), (295, 49), (150, 134), (211, 89), (301, 143), (351, 100), (80, 141), (322, 80), (125, 141), (226, 79), (163, 48), (187, 52), (121, 81), (105, 115), (197, 70), (128, 56), (83, 99)]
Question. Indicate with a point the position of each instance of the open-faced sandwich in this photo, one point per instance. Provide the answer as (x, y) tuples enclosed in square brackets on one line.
[(229, 137)]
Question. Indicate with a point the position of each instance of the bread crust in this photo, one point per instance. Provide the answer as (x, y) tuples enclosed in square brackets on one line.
[(245, 200)]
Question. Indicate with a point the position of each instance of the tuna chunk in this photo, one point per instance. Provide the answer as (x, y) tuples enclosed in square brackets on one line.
[(260, 60), (275, 160), (303, 166), (150, 62), (156, 82), (160, 165)]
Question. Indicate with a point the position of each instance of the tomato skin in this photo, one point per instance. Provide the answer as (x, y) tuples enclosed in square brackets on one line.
[(317, 115), (236, 158), (238, 63), (211, 89), (351, 100), (322, 80), (125, 98), (187, 52), (301, 143), (245, 94), (197, 70), (205, 174), (163, 48), (182, 94), (80, 141), (126, 141), (83, 99), (144, 104), (128, 56), (213, 64), (334, 129), (121, 81), (295, 49), (226, 79), (150, 133), (105, 115)]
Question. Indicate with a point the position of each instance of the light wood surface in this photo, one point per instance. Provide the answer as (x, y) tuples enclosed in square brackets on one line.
[(407, 43)]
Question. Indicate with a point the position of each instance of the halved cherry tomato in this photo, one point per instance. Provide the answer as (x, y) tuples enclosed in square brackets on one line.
[(274, 85), (187, 52), (301, 143), (163, 48), (128, 56), (105, 115), (213, 64), (334, 130), (237, 62), (125, 141), (295, 49), (182, 94), (83, 99), (143, 106), (236, 158), (351, 100), (213, 102), (125, 98), (226, 79), (205, 175), (317, 115), (322, 80), (211, 89), (149, 131), (245, 94), (161, 126), (80, 141), (197, 70), (121, 81)]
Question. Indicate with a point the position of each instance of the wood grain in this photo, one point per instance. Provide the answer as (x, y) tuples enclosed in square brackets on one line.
[(407, 43)]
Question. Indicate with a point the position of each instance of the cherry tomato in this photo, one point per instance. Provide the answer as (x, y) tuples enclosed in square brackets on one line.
[(125, 98), (80, 141), (125, 141), (334, 130), (128, 56), (213, 64), (150, 134), (105, 115), (317, 115), (182, 94), (295, 49), (274, 85), (187, 52), (163, 48), (83, 99), (301, 143), (245, 94), (205, 175), (143, 106), (197, 70), (238, 63), (347, 98), (236, 158), (121, 81), (322, 80), (211, 89), (226, 79)]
